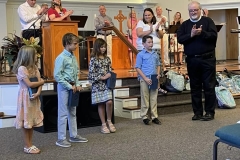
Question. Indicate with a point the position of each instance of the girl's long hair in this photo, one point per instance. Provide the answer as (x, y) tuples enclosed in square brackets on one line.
[(99, 42), (26, 57)]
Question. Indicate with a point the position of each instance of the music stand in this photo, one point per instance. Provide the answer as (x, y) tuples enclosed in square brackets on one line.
[(82, 20), (219, 27), (172, 29)]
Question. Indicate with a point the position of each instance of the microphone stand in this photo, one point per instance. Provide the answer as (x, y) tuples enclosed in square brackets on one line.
[(169, 47), (132, 69), (33, 24), (40, 37)]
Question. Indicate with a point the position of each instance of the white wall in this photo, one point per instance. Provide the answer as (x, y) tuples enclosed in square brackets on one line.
[(175, 7), (88, 9), (3, 26), (216, 1), (221, 42)]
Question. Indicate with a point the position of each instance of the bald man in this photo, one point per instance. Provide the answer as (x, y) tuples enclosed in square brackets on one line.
[(163, 19)]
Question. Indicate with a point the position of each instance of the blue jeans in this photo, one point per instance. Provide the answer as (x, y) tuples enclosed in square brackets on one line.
[(65, 113)]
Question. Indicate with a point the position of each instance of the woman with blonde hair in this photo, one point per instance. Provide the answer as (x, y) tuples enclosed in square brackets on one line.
[(57, 12), (176, 48), (132, 34)]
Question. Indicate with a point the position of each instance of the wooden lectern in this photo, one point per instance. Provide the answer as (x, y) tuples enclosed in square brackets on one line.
[(52, 33)]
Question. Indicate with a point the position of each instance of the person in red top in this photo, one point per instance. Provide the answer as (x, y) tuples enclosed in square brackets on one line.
[(57, 13)]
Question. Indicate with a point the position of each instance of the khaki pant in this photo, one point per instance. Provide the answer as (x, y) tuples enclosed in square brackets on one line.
[(109, 44), (148, 99), (165, 49)]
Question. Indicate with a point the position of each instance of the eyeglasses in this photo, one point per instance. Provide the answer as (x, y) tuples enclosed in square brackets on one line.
[(193, 10)]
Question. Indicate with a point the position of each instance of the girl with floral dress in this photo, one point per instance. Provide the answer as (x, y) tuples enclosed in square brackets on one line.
[(99, 68), (29, 114)]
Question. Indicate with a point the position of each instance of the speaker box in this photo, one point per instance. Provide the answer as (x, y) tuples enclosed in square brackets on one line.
[(87, 114), (49, 107)]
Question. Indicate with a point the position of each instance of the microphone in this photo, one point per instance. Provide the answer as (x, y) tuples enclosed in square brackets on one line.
[(129, 7), (168, 9), (55, 4)]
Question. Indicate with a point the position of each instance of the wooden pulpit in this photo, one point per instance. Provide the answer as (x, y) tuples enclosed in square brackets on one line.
[(52, 33)]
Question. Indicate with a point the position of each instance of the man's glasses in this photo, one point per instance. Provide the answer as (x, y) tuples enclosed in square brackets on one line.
[(193, 10)]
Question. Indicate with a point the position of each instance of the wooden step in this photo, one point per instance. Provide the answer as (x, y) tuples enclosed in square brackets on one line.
[(128, 86), (175, 103), (126, 97), (132, 108)]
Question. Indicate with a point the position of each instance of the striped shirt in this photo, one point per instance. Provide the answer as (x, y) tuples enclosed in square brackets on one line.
[(148, 62), (66, 69)]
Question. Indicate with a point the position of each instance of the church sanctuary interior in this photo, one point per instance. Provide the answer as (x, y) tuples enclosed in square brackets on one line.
[(177, 138)]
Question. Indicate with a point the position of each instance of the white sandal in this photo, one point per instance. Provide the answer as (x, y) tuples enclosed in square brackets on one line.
[(32, 150), (104, 129), (111, 126)]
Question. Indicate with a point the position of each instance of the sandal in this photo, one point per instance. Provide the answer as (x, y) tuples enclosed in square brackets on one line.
[(160, 90), (111, 127), (181, 63), (104, 129), (32, 150)]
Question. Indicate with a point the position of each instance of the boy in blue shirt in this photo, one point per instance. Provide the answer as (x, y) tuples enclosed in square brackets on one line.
[(66, 74), (148, 63)]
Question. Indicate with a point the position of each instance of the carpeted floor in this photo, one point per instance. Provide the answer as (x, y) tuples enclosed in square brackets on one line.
[(178, 138)]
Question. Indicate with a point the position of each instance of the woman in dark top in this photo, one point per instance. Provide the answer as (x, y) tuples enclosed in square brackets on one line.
[(176, 48)]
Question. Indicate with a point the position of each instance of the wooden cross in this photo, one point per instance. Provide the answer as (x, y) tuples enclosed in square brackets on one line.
[(120, 17)]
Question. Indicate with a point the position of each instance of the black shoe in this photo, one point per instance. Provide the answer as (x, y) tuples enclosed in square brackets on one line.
[(156, 121), (146, 121), (207, 117), (196, 117)]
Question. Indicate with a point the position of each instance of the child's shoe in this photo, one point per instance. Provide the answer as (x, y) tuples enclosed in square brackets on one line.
[(78, 138), (32, 150), (104, 129), (111, 126), (63, 143)]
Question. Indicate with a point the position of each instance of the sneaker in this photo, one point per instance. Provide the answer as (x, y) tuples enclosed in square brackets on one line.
[(63, 143), (78, 139)]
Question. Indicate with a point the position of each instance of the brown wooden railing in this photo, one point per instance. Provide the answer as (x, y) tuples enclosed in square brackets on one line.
[(130, 45), (122, 37)]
